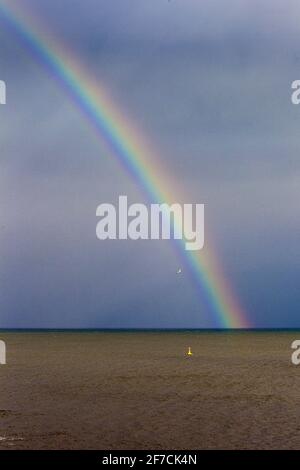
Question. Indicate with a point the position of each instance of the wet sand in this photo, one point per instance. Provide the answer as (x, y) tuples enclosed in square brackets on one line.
[(140, 391)]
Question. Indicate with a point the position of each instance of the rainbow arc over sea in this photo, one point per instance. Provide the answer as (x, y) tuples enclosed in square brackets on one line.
[(126, 144)]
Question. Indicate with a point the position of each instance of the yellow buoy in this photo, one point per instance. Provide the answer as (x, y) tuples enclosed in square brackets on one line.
[(189, 353)]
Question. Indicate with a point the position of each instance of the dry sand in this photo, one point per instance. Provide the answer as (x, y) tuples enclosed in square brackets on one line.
[(140, 391)]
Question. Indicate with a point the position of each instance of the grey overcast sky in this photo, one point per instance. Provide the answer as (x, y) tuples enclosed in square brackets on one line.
[(208, 84)]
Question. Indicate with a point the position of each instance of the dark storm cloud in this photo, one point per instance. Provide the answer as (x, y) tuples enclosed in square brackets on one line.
[(209, 86)]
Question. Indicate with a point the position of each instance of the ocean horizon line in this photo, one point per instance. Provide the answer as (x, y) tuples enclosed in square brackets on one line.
[(147, 330)]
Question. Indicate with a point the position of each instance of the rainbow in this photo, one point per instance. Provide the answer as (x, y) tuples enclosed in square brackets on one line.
[(133, 154)]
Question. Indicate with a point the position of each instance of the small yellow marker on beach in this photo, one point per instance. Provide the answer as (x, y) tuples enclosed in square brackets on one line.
[(189, 353)]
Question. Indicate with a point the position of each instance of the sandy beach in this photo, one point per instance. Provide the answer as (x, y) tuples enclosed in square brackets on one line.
[(139, 390)]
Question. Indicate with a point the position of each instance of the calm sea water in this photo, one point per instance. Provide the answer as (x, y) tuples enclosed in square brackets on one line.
[(127, 389)]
